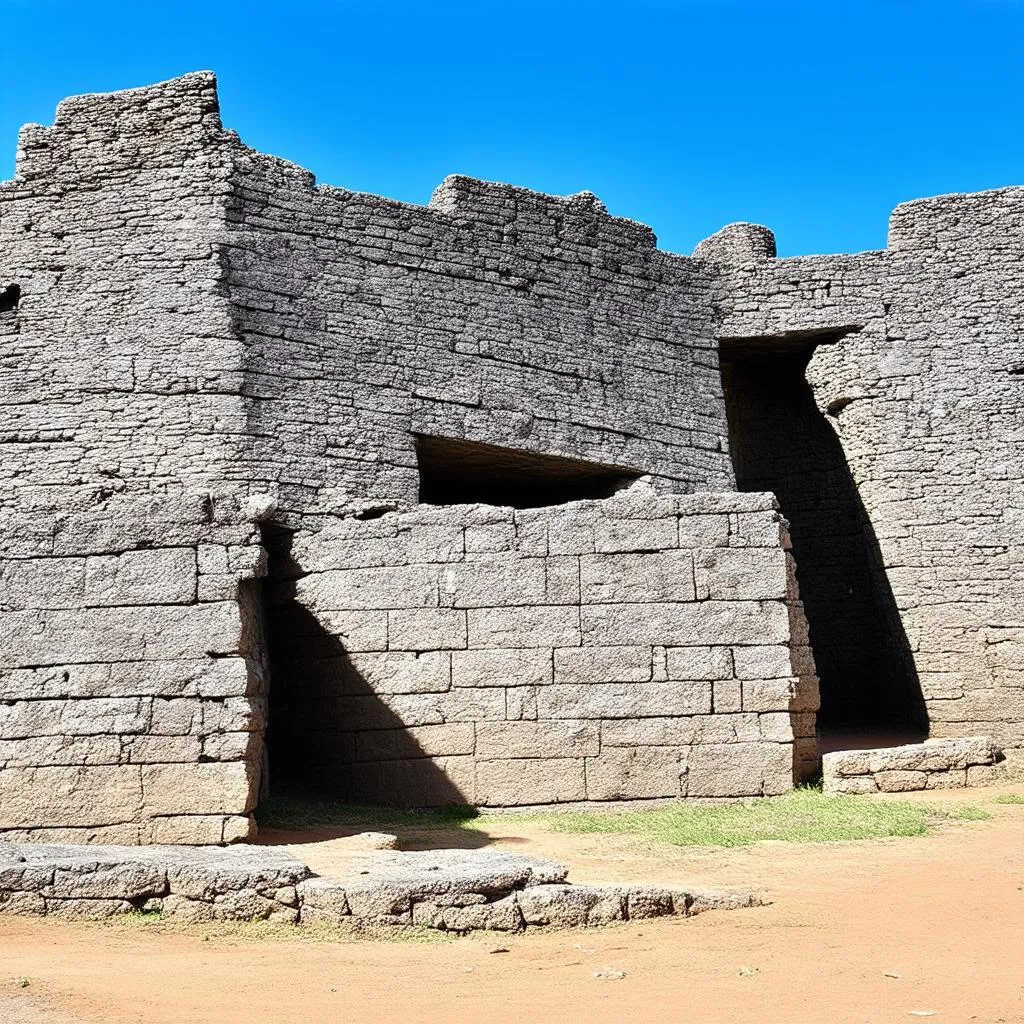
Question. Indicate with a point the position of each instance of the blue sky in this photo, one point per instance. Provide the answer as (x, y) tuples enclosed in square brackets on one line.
[(814, 118)]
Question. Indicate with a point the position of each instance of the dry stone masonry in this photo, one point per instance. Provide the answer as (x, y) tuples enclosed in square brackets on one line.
[(639, 646), (938, 764), (488, 501), (449, 890)]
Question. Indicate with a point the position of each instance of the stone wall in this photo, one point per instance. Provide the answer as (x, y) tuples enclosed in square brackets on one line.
[(133, 677), (130, 668), (202, 352), (937, 764), (495, 315), (631, 648), (924, 398)]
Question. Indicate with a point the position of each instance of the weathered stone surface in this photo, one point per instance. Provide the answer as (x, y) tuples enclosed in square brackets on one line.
[(936, 764), (738, 769), (502, 667), (452, 890), (603, 665), (234, 883), (630, 773), (564, 738), (204, 351), (541, 780)]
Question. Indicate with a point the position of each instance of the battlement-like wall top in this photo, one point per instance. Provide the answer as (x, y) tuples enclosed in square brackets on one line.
[(176, 121), (162, 125), (967, 220), (738, 243), (188, 99), (498, 203)]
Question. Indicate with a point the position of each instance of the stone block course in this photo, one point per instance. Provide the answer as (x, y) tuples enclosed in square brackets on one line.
[(236, 499), (451, 890), (426, 629), (543, 780), (502, 666)]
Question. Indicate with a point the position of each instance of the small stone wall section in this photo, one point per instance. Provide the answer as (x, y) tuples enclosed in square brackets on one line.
[(132, 677), (937, 764), (450, 890), (638, 647), (925, 400)]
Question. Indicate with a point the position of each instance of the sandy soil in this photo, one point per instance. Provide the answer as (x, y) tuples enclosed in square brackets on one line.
[(858, 933)]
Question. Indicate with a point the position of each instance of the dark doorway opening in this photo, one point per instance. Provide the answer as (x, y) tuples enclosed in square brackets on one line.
[(287, 764), (781, 442), (330, 735), (458, 472), (9, 298)]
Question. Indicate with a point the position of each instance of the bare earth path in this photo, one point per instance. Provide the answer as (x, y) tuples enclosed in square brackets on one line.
[(859, 932)]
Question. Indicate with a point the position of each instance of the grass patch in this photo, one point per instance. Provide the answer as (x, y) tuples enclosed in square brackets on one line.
[(803, 816), (1008, 798), (312, 812), (145, 916)]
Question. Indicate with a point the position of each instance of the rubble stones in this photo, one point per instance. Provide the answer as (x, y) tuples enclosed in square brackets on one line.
[(936, 764), (451, 890)]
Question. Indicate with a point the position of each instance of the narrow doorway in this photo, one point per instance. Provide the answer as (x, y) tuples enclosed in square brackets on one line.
[(781, 442), (330, 735)]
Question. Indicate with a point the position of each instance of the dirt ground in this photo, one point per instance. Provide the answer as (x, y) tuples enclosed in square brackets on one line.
[(858, 933)]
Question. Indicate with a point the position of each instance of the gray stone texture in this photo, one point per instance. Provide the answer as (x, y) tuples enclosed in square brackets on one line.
[(937, 764), (628, 643), (202, 353), (450, 890)]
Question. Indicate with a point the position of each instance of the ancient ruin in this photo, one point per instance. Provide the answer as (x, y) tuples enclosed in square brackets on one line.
[(449, 890), (489, 501)]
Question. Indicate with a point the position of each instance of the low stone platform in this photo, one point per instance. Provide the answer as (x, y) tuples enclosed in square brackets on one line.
[(935, 764), (451, 890)]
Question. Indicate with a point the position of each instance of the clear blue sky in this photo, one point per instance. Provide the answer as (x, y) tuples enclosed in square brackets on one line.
[(812, 117)]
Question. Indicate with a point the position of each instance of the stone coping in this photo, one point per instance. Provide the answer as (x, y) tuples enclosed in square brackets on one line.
[(451, 890)]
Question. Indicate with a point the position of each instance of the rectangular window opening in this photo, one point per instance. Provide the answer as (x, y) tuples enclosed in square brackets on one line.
[(458, 472)]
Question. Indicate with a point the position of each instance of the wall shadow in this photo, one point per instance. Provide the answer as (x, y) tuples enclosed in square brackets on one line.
[(329, 734), (781, 442)]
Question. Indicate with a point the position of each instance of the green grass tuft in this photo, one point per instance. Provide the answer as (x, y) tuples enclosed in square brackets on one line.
[(1009, 798), (147, 917), (803, 816)]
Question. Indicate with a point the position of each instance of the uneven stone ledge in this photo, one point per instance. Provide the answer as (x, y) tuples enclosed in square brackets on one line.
[(451, 890), (936, 764)]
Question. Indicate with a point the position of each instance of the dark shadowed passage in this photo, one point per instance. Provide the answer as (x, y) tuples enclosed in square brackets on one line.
[(781, 442), (458, 472), (329, 734)]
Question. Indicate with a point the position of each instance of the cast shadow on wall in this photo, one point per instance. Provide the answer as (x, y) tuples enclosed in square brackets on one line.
[(331, 739), (781, 442)]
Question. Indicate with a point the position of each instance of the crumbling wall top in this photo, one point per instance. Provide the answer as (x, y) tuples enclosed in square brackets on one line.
[(162, 125), (969, 220), (738, 243), (575, 217)]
